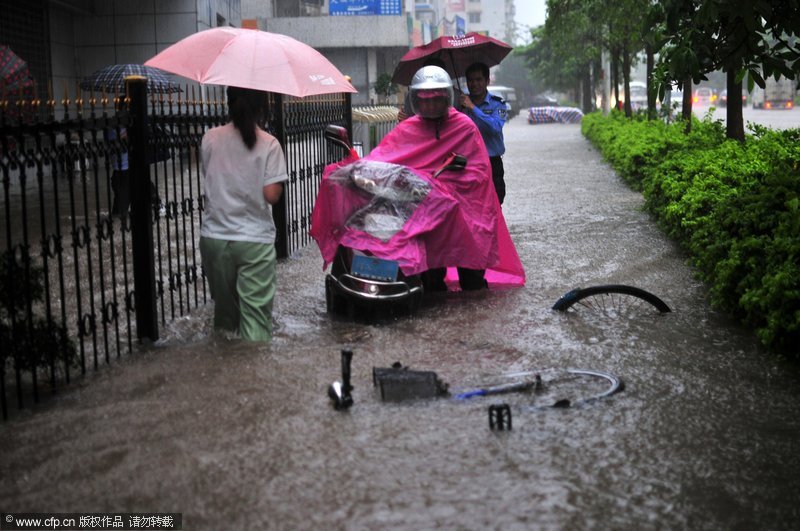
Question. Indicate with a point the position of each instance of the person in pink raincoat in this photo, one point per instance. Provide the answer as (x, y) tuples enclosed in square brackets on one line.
[(459, 224)]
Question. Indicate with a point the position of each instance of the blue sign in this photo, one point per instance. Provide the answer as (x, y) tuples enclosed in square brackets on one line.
[(365, 7), (461, 25), (374, 268)]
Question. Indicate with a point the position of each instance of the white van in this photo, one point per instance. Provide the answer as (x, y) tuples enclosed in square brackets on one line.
[(638, 96), (508, 94)]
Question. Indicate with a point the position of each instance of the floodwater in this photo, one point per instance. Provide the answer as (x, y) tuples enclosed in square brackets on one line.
[(241, 436)]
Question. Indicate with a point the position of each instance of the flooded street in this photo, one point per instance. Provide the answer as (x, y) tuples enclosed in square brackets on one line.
[(239, 436), (772, 118)]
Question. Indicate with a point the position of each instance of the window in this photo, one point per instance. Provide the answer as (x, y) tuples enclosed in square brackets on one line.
[(475, 18)]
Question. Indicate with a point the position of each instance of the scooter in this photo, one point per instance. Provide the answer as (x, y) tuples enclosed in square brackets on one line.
[(359, 284)]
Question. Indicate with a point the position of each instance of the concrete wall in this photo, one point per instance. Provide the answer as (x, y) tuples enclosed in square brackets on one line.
[(86, 36), (63, 59), (493, 17), (360, 47), (343, 32)]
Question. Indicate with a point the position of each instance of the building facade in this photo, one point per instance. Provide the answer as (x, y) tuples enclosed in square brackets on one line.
[(64, 40), (366, 38)]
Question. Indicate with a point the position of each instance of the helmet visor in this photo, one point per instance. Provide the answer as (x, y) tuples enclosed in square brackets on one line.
[(432, 93)]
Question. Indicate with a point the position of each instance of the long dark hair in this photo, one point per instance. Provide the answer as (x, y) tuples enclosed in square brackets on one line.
[(246, 109)]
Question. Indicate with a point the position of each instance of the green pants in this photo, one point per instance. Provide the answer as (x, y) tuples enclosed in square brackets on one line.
[(241, 278)]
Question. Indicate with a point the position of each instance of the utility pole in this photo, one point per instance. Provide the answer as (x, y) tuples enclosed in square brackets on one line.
[(605, 75)]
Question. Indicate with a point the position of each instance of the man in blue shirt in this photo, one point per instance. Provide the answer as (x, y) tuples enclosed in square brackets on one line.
[(489, 114)]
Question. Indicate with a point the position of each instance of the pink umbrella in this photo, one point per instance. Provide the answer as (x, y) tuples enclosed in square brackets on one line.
[(254, 59)]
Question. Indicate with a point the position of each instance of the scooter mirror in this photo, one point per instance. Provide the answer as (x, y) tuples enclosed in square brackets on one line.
[(458, 163), (338, 135), (454, 162)]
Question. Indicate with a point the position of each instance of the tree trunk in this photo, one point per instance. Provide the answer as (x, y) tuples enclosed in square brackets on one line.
[(626, 76), (587, 92), (735, 128), (687, 104), (615, 76), (651, 95)]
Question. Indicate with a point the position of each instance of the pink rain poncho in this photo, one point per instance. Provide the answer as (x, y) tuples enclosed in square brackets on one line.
[(458, 223)]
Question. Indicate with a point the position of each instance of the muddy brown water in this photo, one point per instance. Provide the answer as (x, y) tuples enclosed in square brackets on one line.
[(241, 436)]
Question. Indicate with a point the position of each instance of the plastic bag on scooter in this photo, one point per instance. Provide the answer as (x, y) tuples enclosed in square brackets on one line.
[(383, 180), (393, 192)]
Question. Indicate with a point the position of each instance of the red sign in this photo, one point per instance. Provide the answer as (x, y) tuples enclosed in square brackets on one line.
[(455, 6)]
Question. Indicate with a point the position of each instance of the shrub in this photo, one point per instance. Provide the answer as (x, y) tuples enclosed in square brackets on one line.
[(735, 207), (33, 342)]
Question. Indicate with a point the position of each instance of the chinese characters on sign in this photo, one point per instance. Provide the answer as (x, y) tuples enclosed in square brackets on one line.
[(365, 7), (455, 6)]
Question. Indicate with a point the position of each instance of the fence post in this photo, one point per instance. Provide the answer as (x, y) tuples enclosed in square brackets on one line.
[(348, 114), (144, 279), (279, 209)]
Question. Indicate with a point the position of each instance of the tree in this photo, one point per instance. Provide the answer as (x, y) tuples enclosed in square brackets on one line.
[(565, 51), (624, 23), (384, 87), (513, 72), (740, 37)]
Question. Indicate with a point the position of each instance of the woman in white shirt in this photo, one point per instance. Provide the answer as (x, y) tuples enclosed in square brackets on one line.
[(244, 170)]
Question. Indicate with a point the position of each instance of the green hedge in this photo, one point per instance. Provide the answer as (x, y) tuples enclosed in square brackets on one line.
[(735, 207)]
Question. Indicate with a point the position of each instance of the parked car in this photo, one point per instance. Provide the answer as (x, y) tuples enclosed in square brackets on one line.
[(543, 100), (704, 96), (673, 100), (508, 94), (638, 96)]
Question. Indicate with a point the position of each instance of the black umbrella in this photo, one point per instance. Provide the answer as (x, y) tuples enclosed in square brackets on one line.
[(112, 79)]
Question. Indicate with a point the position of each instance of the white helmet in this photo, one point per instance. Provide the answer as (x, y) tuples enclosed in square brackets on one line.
[(431, 82)]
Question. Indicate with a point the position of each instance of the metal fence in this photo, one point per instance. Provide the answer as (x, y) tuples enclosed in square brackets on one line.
[(80, 284), (371, 123)]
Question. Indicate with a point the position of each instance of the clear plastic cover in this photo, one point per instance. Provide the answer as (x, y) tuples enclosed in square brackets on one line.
[(394, 193)]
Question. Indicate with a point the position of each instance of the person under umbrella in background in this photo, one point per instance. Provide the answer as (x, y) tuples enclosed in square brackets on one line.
[(489, 114), (110, 79), (244, 169), (120, 176)]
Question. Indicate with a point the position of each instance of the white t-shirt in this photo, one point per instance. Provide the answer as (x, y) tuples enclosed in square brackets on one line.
[(235, 208)]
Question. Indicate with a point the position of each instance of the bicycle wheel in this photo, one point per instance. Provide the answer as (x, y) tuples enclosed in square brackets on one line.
[(611, 299), (572, 387)]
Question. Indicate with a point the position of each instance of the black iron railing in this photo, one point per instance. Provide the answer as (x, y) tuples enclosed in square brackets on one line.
[(80, 285)]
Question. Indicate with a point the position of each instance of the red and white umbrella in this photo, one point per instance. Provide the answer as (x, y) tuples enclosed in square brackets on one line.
[(457, 53), (14, 73), (254, 59)]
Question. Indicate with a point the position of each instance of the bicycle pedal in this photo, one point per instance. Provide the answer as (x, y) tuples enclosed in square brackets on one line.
[(500, 417)]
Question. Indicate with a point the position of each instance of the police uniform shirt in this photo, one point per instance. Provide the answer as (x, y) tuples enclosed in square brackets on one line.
[(490, 116)]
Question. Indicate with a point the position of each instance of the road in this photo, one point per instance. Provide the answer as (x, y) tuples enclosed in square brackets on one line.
[(242, 436), (775, 118)]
